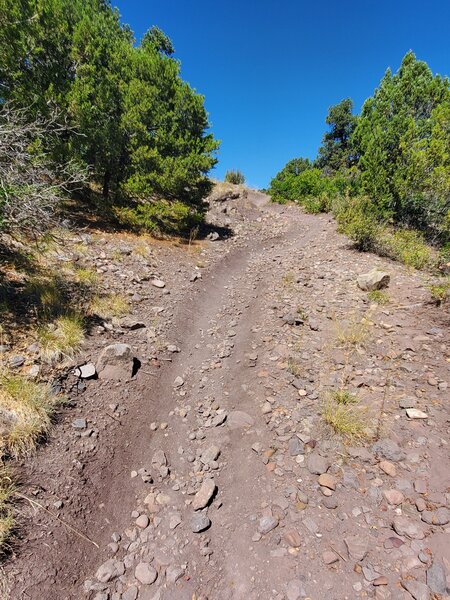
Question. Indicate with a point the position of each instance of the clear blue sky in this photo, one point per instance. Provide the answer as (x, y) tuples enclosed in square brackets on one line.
[(270, 69)]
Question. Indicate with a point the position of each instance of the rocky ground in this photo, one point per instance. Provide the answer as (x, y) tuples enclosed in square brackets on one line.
[(204, 468)]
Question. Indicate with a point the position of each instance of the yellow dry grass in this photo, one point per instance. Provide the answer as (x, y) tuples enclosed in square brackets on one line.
[(109, 306), (347, 420), (25, 410), (61, 339)]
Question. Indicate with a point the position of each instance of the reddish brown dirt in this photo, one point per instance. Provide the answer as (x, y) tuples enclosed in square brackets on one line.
[(279, 262)]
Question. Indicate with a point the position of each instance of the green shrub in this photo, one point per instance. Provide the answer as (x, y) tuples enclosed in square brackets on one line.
[(161, 217), (357, 220), (440, 291), (407, 246), (379, 297), (235, 177)]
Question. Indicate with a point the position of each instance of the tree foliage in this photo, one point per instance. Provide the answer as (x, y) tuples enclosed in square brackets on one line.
[(336, 152), (395, 156), (140, 129)]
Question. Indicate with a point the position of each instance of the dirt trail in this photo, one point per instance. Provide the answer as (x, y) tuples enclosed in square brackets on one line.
[(241, 403)]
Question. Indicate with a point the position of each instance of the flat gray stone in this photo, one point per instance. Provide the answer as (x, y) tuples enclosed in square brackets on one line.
[(388, 449), (111, 569), (417, 589), (266, 524), (131, 593), (436, 578), (408, 528), (295, 590), (296, 446), (237, 419), (317, 464), (200, 522)]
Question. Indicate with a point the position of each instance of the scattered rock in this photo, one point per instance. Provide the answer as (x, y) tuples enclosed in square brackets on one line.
[(388, 468), (418, 590), (200, 522), (406, 527), (204, 495), (174, 573), (16, 361), (237, 419), (131, 593), (132, 324), (439, 517), (436, 578), (158, 283), (328, 481), (266, 524), (393, 497), (296, 446), (292, 538), (295, 590), (210, 454), (179, 382), (329, 557), (110, 570), (145, 573), (388, 449), (142, 521), (86, 371), (317, 464), (80, 423), (415, 413), (357, 547)]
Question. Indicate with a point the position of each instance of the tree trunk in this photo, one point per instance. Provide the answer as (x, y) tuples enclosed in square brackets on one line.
[(106, 182)]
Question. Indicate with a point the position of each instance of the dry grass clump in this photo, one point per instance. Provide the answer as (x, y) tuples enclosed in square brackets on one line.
[(294, 367), (25, 410), (107, 307), (46, 293), (288, 278), (343, 396), (6, 516), (61, 339), (25, 417), (346, 419), (86, 276), (352, 333)]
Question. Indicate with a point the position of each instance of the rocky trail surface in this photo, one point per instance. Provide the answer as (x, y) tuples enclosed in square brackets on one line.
[(199, 464)]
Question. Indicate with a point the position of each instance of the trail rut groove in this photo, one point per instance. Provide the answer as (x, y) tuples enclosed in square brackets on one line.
[(276, 533)]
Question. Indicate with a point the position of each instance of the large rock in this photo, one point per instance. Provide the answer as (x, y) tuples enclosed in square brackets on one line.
[(204, 495), (374, 280), (115, 362)]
